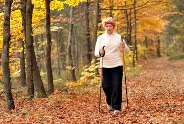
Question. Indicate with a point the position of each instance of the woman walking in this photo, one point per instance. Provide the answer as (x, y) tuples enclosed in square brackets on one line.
[(109, 46)]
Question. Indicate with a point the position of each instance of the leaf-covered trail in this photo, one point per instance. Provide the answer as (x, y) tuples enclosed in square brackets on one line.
[(156, 96)]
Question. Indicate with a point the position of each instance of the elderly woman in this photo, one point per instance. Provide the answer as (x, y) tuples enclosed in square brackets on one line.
[(109, 47)]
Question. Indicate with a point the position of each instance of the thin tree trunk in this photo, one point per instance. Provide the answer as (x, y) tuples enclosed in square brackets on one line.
[(58, 54), (135, 32), (183, 45), (22, 65), (98, 20), (22, 56), (128, 26), (29, 49), (5, 56), (158, 47), (42, 66), (135, 28), (48, 49), (62, 49), (88, 42), (69, 49), (111, 8)]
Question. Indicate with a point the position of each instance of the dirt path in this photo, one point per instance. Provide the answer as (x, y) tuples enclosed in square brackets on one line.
[(158, 92), (156, 96)]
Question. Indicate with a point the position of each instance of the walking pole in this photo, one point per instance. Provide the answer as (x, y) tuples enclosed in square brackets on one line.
[(99, 100), (101, 76), (100, 87), (124, 69)]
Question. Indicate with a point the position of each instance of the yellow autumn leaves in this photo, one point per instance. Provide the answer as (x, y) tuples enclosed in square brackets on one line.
[(38, 17)]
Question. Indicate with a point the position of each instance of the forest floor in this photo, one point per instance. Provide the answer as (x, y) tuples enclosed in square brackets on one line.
[(156, 96)]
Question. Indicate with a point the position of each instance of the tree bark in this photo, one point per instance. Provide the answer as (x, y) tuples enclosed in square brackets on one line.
[(38, 84), (22, 56), (135, 29), (135, 57), (5, 56), (48, 50), (88, 42), (158, 47), (29, 49), (58, 53), (33, 74), (128, 25), (69, 49)]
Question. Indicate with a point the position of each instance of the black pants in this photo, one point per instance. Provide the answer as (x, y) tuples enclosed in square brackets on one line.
[(112, 86)]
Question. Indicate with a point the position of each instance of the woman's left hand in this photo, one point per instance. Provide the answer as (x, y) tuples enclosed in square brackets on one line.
[(122, 46)]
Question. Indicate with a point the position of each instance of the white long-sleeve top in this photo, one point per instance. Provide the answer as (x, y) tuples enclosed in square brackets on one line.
[(113, 53)]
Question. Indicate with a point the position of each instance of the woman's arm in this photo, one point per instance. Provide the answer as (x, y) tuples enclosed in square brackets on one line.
[(124, 47)]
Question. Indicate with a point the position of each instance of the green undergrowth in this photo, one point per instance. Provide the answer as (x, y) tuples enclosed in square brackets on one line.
[(134, 71), (176, 56)]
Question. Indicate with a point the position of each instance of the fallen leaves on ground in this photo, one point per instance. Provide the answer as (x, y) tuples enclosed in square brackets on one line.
[(156, 96)]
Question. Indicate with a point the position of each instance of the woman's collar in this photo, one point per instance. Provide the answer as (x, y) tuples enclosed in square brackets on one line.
[(108, 33)]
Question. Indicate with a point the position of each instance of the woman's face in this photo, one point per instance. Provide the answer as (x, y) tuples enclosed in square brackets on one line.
[(109, 28)]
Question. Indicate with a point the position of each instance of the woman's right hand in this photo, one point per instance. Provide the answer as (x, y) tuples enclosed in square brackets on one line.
[(102, 52)]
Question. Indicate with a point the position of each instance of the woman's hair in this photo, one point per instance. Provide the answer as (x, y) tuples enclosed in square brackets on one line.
[(108, 20)]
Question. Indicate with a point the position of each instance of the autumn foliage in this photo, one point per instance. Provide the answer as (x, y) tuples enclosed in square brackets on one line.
[(155, 96)]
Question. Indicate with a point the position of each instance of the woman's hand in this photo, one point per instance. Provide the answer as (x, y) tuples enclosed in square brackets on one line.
[(102, 51), (122, 46)]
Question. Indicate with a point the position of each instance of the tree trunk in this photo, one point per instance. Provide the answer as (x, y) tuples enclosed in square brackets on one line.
[(29, 49), (48, 49), (58, 53), (88, 42), (62, 49), (128, 26), (42, 56), (183, 45), (22, 65), (135, 32), (22, 56), (37, 78), (111, 8), (135, 28), (33, 74), (69, 49), (5, 56), (158, 47), (98, 20)]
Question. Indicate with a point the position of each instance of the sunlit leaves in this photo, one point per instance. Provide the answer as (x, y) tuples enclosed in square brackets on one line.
[(20, 49), (16, 25), (38, 17), (56, 5), (39, 4), (73, 2)]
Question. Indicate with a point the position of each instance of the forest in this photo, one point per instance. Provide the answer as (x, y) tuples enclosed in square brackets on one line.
[(49, 73)]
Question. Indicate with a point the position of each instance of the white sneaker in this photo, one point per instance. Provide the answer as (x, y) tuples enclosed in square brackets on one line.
[(109, 108), (117, 111)]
